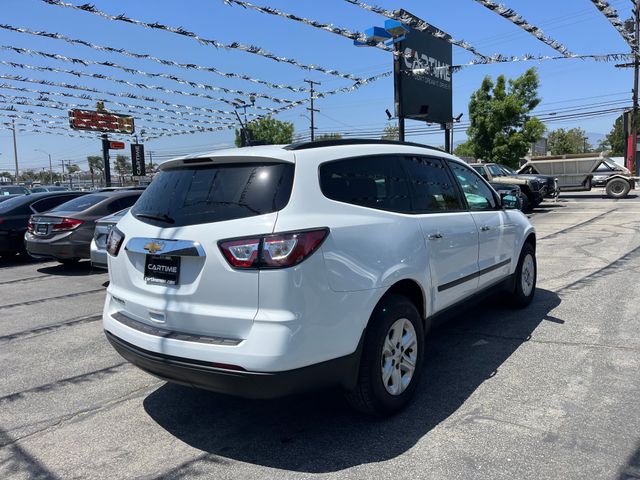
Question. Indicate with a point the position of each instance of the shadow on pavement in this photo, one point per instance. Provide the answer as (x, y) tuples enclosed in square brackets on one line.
[(631, 471), (319, 433), (18, 260), (71, 270)]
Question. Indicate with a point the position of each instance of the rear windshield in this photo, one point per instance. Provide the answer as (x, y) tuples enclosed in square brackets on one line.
[(214, 193), (79, 204), (9, 189)]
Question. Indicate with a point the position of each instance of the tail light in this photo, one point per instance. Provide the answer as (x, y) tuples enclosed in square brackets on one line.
[(29, 226), (272, 251), (66, 224), (114, 241)]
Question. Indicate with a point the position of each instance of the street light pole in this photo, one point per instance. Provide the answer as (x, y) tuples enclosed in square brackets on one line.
[(15, 147), (50, 166)]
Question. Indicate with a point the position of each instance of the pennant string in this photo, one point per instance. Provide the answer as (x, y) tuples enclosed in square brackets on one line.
[(513, 17), (417, 24), (612, 15), (133, 71), (343, 32), (45, 102), (127, 106), (161, 61), (143, 86), (251, 49)]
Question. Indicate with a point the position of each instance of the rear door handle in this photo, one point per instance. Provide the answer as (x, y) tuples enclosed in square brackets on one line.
[(485, 228), (435, 236)]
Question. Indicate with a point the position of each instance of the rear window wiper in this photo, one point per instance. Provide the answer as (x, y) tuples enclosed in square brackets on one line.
[(161, 217)]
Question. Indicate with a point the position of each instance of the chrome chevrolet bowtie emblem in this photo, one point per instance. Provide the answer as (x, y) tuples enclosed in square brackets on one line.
[(154, 247)]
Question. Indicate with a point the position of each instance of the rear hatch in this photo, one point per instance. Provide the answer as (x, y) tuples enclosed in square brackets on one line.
[(170, 271)]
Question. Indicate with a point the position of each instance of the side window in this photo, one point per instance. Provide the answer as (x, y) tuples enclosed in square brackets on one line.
[(480, 170), (375, 182), (432, 188), (479, 196)]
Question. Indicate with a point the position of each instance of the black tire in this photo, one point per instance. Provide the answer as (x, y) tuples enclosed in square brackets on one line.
[(370, 395), (617, 188), (521, 297), (526, 204)]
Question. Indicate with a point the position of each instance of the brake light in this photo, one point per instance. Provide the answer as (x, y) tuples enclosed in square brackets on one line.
[(66, 224), (272, 251), (114, 241)]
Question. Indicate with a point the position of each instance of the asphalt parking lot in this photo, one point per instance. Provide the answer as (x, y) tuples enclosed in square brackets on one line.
[(548, 392)]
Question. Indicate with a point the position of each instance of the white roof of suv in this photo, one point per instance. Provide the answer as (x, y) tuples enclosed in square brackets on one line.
[(288, 153)]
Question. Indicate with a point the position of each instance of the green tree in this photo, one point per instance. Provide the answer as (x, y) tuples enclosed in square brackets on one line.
[(464, 149), (562, 142), (614, 142), (7, 175), (329, 136), (268, 130), (122, 166), (72, 168), (501, 126), (96, 166), (391, 132)]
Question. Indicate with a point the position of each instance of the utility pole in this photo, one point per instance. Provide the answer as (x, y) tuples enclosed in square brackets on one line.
[(15, 147), (397, 85), (636, 64), (50, 170), (312, 110)]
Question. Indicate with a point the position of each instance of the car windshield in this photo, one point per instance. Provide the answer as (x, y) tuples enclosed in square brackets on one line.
[(508, 170), (80, 204), (496, 171)]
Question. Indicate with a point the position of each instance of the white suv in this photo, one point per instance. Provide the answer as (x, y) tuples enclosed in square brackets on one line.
[(263, 271)]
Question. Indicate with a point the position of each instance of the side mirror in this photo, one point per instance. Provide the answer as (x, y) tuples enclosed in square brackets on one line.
[(510, 202)]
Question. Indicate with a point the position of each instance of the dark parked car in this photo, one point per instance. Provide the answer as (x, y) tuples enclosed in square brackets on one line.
[(49, 188), (533, 189), (15, 213), (506, 189), (65, 233), (14, 189)]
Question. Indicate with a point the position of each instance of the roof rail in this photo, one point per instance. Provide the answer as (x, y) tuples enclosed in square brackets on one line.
[(355, 141)]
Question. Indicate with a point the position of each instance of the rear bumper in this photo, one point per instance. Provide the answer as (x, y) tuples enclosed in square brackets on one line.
[(57, 250), (340, 372), (11, 242), (98, 257)]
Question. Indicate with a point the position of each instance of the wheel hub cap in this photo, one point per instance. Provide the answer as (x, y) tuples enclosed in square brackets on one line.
[(528, 275), (399, 356)]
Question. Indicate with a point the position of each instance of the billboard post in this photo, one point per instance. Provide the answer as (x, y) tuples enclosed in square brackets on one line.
[(397, 88), (105, 159)]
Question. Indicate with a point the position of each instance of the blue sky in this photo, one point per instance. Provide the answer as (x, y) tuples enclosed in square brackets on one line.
[(566, 83)]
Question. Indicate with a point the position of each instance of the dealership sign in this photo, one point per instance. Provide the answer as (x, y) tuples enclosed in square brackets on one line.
[(100, 121), (137, 160), (425, 77)]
